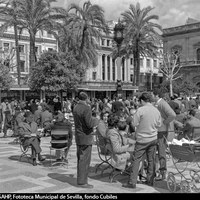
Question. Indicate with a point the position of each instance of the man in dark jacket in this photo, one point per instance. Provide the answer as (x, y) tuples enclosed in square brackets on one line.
[(84, 124)]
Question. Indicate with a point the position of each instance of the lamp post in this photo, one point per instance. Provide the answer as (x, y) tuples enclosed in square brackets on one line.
[(118, 38)]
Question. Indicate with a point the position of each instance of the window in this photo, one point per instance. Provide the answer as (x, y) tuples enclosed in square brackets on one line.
[(36, 50), (155, 63), (131, 61), (94, 75), (6, 47), (49, 35), (22, 65), (131, 77), (113, 68), (50, 49), (103, 67), (108, 43), (7, 63), (148, 63), (21, 48), (108, 65), (141, 62), (103, 42)]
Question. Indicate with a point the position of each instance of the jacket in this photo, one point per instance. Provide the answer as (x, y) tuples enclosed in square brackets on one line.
[(119, 149), (84, 123)]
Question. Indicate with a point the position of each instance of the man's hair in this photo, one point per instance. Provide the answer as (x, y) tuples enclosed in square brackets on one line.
[(27, 114), (122, 125), (113, 120), (146, 97), (158, 92), (82, 96)]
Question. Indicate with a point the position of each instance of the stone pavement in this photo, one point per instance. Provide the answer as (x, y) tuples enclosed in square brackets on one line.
[(22, 177)]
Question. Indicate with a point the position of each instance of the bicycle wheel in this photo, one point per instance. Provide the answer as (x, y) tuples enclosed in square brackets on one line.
[(171, 182)]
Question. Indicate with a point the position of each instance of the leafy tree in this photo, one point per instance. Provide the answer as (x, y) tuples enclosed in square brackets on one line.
[(34, 16), (141, 35), (87, 24), (5, 78), (9, 10), (55, 72)]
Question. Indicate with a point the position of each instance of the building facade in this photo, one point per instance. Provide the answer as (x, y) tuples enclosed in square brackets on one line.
[(44, 42), (101, 80), (185, 41)]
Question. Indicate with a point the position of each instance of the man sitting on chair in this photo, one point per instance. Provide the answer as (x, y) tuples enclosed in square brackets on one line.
[(62, 124), (29, 130)]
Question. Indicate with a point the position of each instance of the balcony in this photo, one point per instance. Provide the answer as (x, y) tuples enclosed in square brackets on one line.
[(190, 63)]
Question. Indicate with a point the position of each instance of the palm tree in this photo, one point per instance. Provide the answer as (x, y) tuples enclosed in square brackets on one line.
[(87, 24), (34, 16), (9, 10), (141, 36)]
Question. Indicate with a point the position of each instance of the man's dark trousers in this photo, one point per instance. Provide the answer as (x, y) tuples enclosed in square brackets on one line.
[(140, 150), (84, 158), (161, 150)]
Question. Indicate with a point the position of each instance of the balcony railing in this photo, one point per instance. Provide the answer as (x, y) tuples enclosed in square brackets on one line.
[(190, 62)]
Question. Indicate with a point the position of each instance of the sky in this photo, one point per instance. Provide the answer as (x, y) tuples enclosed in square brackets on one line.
[(171, 12)]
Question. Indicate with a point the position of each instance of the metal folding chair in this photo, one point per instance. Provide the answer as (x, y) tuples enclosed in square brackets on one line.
[(59, 141)]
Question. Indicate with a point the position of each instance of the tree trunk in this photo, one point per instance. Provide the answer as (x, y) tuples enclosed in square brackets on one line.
[(135, 69), (17, 55), (171, 88), (137, 64), (32, 51)]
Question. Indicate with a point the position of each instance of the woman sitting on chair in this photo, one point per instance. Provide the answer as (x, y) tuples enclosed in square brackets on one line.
[(28, 129), (120, 145)]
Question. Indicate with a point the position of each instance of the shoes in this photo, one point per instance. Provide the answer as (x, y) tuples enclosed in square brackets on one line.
[(86, 186), (129, 185), (34, 162), (161, 176), (40, 158)]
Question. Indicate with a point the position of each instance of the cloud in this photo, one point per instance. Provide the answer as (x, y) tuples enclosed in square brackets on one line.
[(170, 12)]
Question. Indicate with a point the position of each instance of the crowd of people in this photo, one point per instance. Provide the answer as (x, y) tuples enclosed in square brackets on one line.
[(134, 129)]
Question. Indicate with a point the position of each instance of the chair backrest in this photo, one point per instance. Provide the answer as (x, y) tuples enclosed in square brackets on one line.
[(102, 144), (59, 138), (196, 133)]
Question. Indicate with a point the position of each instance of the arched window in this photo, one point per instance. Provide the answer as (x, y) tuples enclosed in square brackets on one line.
[(198, 55), (178, 58)]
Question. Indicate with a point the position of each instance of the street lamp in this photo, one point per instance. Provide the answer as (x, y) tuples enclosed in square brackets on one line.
[(118, 38)]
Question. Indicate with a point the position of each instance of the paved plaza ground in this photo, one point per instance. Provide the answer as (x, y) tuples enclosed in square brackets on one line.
[(23, 177)]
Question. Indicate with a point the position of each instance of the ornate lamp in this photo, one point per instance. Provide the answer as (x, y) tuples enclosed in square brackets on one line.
[(118, 38), (118, 33)]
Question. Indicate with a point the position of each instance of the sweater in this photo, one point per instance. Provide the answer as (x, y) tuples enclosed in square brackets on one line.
[(147, 119)]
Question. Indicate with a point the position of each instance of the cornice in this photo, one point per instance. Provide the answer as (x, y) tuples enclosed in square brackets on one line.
[(184, 29), (27, 38)]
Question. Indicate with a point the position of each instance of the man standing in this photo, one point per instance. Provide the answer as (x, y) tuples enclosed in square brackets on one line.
[(84, 124), (165, 131), (147, 119)]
